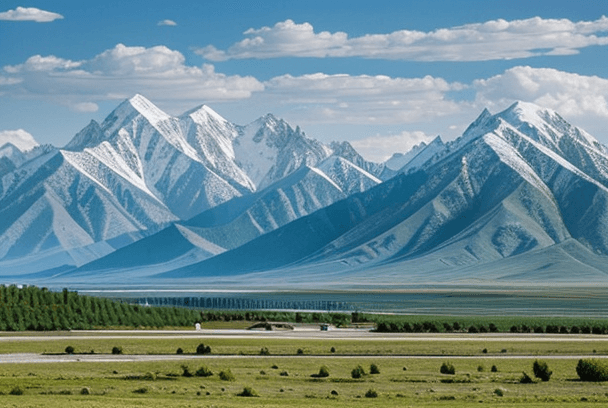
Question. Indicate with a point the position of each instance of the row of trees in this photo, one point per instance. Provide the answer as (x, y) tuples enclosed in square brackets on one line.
[(32, 308)]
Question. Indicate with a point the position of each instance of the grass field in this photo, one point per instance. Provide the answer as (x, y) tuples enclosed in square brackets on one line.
[(288, 382), (285, 379)]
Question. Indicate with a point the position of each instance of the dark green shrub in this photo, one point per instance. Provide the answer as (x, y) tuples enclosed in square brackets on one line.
[(447, 328), (456, 326), (248, 392), (591, 369), (484, 351), (142, 390), (447, 368), (493, 328), (514, 329), (116, 350), (373, 369), (227, 375), (323, 372), (16, 391), (300, 351), (575, 330), (586, 330), (483, 329), (597, 330), (69, 350), (85, 391), (284, 374), (186, 371), (202, 349), (525, 379), (371, 393), (563, 330), (538, 329), (480, 368), (332, 350), (494, 369), (541, 370), (473, 329), (264, 351), (204, 371), (357, 372), (179, 351)]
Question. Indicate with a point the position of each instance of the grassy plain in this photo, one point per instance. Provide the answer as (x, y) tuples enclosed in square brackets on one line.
[(421, 384), (284, 378)]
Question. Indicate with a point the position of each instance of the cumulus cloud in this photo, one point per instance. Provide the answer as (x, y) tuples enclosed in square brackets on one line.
[(362, 99), (380, 148), (167, 23), (30, 14), (117, 73), (492, 40), (572, 95), (19, 138)]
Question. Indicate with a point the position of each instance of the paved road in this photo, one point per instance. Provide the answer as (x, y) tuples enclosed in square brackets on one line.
[(31, 358), (303, 334)]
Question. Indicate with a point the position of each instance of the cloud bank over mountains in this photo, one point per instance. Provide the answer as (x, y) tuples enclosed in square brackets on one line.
[(491, 40)]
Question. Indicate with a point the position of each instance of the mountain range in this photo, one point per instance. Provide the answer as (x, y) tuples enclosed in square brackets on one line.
[(521, 197)]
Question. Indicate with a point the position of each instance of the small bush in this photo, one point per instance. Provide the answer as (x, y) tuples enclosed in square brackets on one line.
[(538, 329), (525, 379), (586, 330), (456, 326), (563, 330), (447, 328), (480, 368), (493, 328), (275, 367), (575, 330), (179, 351), (248, 392), (499, 392), (373, 369), (323, 372), (597, 330), (85, 391), (332, 350), (204, 371), (264, 351), (514, 329), (473, 329), (494, 369), (227, 375), (186, 371), (142, 390), (202, 349), (541, 370), (357, 372), (284, 374), (17, 391), (484, 351), (447, 368), (334, 392), (591, 369), (371, 393), (69, 350), (300, 351), (116, 350)]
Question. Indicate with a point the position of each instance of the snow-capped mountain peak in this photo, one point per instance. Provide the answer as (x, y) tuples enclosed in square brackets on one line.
[(19, 138)]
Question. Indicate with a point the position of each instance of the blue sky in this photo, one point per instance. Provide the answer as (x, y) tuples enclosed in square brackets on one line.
[(384, 75)]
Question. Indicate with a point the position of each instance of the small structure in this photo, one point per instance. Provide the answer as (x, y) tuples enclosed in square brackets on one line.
[(197, 326), (324, 327)]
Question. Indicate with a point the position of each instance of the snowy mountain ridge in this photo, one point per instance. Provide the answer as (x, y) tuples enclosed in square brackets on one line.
[(138, 171)]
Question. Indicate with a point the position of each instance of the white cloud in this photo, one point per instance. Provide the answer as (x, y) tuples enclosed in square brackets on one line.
[(159, 72), (572, 95), (167, 23), (85, 107), (379, 148), (19, 138), (492, 40), (30, 14), (363, 99)]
